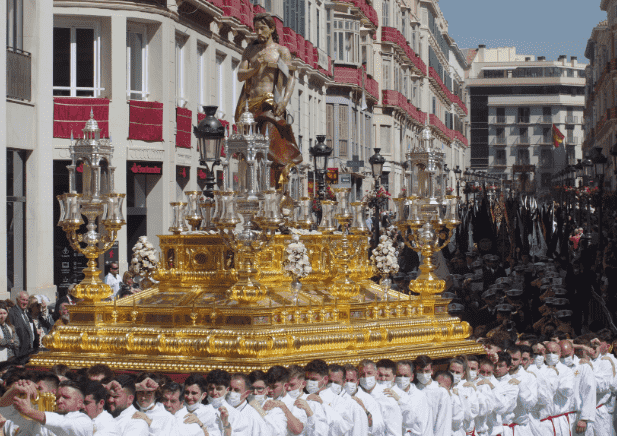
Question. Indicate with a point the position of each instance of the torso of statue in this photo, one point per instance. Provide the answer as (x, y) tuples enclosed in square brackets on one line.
[(263, 81)]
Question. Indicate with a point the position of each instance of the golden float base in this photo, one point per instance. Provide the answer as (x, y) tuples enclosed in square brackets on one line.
[(188, 323)]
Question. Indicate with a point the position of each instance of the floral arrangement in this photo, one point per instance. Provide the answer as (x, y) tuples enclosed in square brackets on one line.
[(403, 193), (329, 196), (449, 191), (144, 258), (385, 256), (297, 263), (587, 191)]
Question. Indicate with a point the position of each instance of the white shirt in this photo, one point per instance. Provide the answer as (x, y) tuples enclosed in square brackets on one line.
[(527, 397), (129, 426), (253, 419), (417, 415), (505, 395), (359, 423), (584, 399), (207, 416), (378, 428), (114, 282), (163, 422), (467, 393), (390, 412), (106, 425), (71, 424), (186, 429), (16, 424), (441, 405)]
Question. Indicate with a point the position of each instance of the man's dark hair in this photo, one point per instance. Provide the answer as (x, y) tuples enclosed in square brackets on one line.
[(513, 349), (257, 375), (444, 374), (244, 378), (73, 385), (218, 377), (266, 18), (349, 367), (277, 374), (486, 362), (296, 371), (49, 378), (196, 379), (471, 358), (459, 360), (387, 364), (100, 368), (333, 368), (526, 349), (96, 389), (406, 362), (318, 366), (422, 361), (174, 387), (503, 356), (127, 381), (60, 370), (16, 374)]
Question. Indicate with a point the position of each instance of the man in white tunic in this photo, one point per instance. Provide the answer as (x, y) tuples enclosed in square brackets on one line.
[(15, 421), (68, 421), (390, 410), (198, 413), (294, 419), (318, 413), (173, 401), (583, 401), (603, 372), (466, 391), (120, 405), (417, 415), (95, 396), (438, 397), (505, 394), (345, 405), (520, 420), (547, 378), (252, 420), (160, 421), (376, 426)]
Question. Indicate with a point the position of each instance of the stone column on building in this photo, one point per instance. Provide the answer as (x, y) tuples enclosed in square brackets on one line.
[(3, 257)]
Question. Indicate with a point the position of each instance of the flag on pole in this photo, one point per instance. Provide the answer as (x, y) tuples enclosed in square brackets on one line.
[(557, 136)]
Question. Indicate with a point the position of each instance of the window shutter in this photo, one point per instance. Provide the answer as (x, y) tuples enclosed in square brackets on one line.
[(343, 130), (301, 17), (329, 124)]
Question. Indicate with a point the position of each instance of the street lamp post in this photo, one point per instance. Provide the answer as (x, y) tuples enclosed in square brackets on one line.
[(457, 176), (377, 161), (320, 153), (210, 134)]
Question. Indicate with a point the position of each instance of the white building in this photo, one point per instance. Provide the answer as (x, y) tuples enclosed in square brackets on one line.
[(515, 101)]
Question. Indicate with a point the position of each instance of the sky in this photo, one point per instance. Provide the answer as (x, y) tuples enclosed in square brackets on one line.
[(535, 27)]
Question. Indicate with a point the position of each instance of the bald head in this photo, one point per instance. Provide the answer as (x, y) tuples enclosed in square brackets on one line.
[(554, 348), (566, 348)]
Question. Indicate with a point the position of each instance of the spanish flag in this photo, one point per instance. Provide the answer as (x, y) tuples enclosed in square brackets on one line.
[(557, 136)]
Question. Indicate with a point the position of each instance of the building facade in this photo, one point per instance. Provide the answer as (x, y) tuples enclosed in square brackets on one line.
[(369, 74), (601, 103), (515, 100)]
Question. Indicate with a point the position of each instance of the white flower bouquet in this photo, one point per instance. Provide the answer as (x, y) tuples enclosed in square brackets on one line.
[(385, 257), (144, 259), (297, 262)]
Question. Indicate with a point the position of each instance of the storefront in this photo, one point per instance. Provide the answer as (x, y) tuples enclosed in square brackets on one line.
[(16, 220)]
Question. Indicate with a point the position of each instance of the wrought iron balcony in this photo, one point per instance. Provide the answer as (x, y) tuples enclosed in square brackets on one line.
[(18, 74)]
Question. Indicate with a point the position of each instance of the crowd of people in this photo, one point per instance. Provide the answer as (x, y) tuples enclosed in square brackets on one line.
[(532, 386)]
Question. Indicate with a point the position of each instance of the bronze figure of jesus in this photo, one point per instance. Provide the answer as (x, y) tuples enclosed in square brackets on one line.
[(268, 76)]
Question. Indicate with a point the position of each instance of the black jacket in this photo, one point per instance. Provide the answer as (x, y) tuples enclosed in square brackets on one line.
[(23, 330)]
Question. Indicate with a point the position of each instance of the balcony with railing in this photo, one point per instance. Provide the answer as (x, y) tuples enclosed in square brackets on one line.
[(571, 140), (18, 74), (500, 119), (500, 162), (499, 140), (522, 141), (545, 140), (571, 119), (522, 120), (545, 119)]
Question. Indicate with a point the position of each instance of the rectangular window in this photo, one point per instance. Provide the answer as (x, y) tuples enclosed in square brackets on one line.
[(386, 74), (15, 24), (220, 69), (202, 63), (434, 106), (343, 133), (385, 138), (329, 124), (523, 156), (76, 65), (328, 32), (523, 115), (180, 62), (385, 13), (317, 36), (500, 157), (546, 158), (136, 63)]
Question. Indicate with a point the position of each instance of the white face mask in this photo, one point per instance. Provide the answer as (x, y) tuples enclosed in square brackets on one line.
[(295, 393), (368, 383), (567, 360), (312, 386), (336, 388), (552, 359), (385, 383), (473, 374), (484, 377), (216, 402), (234, 398), (261, 398), (351, 388), (193, 407), (403, 382), (424, 377), (456, 377), (538, 360)]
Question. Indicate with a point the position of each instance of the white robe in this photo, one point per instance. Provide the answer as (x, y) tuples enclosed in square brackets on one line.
[(548, 381), (186, 429), (163, 422), (16, 424), (129, 426), (71, 424), (486, 404), (378, 427), (441, 405), (390, 412), (603, 372), (106, 425), (521, 417), (506, 395), (308, 424), (467, 393), (583, 401), (254, 421), (417, 415)]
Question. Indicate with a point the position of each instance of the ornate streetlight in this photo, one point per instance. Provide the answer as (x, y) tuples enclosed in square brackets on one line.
[(377, 161), (210, 134), (321, 152), (97, 202)]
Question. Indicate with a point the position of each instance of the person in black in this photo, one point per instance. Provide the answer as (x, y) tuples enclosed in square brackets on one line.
[(18, 316)]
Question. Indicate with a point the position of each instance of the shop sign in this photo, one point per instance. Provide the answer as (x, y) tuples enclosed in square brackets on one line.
[(145, 168), (183, 173), (202, 174)]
